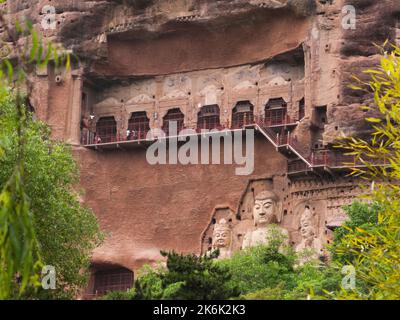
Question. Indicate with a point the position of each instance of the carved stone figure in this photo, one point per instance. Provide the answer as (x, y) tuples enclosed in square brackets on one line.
[(266, 213), (278, 81), (222, 239), (309, 240)]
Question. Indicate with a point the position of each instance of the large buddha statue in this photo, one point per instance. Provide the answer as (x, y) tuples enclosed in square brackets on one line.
[(266, 213), (310, 246), (222, 239)]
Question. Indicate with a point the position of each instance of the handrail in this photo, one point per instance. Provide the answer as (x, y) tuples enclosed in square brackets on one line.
[(323, 158), (281, 140)]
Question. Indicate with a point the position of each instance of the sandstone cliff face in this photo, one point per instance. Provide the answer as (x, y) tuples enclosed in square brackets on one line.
[(154, 55), (376, 23), (82, 25)]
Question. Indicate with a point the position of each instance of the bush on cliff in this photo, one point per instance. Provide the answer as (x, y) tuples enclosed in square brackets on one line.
[(270, 272), (185, 277), (266, 272)]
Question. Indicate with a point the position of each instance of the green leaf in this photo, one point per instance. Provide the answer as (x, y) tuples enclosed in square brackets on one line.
[(374, 120), (9, 70), (35, 46)]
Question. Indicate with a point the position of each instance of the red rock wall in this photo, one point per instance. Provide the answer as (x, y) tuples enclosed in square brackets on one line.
[(148, 208), (248, 39)]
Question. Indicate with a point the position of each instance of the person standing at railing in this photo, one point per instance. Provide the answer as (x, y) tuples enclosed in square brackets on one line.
[(85, 130), (97, 139)]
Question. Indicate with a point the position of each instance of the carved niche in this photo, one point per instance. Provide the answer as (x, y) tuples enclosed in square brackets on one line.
[(267, 215), (310, 247), (259, 213), (219, 233)]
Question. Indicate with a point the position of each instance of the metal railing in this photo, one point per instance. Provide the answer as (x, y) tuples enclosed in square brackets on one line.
[(90, 138), (277, 120), (280, 139), (240, 120), (313, 159), (297, 165), (138, 131)]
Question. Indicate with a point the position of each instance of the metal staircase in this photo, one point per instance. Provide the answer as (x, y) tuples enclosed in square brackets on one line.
[(282, 142), (288, 145)]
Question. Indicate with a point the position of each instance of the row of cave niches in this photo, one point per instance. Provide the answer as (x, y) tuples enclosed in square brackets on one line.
[(106, 128), (315, 184)]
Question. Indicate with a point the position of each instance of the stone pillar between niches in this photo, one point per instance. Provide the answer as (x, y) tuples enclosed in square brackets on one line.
[(122, 125), (157, 123), (74, 131), (308, 81)]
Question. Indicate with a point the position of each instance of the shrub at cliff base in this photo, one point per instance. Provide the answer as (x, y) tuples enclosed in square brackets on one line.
[(187, 277), (264, 272), (184, 277), (271, 272), (264, 266)]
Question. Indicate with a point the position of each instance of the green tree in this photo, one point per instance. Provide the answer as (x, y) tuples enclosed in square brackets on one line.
[(65, 230), (271, 272), (360, 215), (263, 266), (189, 277), (185, 277), (19, 249), (20, 256), (149, 285)]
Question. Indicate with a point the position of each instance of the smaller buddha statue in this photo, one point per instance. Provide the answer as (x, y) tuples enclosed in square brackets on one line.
[(222, 239), (309, 240)]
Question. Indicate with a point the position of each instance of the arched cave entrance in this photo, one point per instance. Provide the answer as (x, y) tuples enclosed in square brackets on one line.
[(106, 129), (208, 117), (242, 114), (111, 278), (173, 115), (275, 112), (138, 126)]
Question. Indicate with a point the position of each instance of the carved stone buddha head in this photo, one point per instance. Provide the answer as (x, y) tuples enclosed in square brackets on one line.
[(266, 209), (222, 235)]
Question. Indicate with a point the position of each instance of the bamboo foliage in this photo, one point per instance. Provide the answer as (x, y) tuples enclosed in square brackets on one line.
[(377, 250)]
